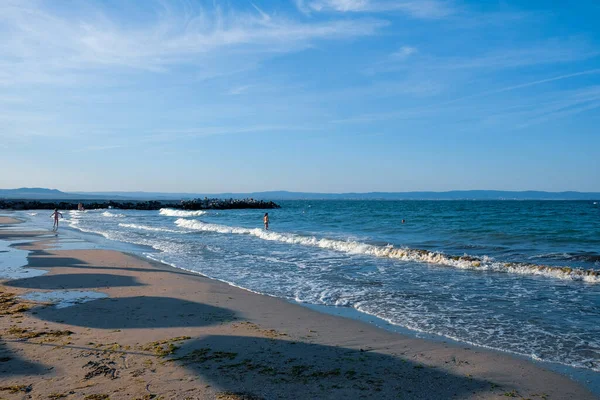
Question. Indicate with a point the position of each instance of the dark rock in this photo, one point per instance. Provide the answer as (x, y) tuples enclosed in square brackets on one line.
[(196, 204)]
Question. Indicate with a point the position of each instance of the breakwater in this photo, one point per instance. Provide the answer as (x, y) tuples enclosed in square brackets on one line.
[(195, 204)]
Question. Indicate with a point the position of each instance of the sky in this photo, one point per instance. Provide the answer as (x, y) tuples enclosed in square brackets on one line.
[(301, 95)]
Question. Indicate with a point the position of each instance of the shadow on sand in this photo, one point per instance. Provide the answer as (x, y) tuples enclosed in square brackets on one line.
[(137, 312), (264, 368), (15, 235), (45, 260), (12, 365), (256, 367), (74, 281)]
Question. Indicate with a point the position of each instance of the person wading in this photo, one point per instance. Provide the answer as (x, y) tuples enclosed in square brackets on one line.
[(55, 214)]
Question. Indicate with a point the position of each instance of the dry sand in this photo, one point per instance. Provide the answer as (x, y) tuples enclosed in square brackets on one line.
[(166, 333)]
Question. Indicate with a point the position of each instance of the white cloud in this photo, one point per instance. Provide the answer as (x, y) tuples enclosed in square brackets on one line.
[(404, 52), (566, 111), (169, 135), (552, 51), (42, 45), (239, 89), (527, 84), (555, 105), (425, 9), (99, 148), (524, 110), (340, 5)]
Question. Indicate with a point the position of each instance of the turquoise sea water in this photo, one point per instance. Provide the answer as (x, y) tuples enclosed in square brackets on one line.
[(516, 276)]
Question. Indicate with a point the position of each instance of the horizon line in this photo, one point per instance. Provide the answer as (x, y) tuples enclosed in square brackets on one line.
[(307, 192)]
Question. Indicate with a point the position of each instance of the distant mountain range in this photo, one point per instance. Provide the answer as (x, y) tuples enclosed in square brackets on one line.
[(50, 194), (54, 194)]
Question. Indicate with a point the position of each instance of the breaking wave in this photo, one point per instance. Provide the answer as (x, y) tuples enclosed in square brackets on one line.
[(169, 212), (148, 228), (112, 215), (404, 254)]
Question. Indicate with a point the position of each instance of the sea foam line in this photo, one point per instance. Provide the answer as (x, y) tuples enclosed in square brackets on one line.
[(404, 254), (169, 212), (112, 215), (148, 228)]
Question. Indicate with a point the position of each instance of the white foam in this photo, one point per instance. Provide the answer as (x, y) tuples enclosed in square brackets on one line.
[(404, 254), (169, 212), (125, 236), (557, 359), (148, 228), (112, 215)]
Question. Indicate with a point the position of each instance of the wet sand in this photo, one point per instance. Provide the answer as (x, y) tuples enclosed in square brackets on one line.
[(166, 333), (8, 220)]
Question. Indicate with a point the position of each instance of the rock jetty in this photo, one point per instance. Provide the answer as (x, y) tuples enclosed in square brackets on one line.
[(195, 204)]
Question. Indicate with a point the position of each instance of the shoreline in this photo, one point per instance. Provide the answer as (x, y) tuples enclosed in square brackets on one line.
[(239, 341), (587, 378)]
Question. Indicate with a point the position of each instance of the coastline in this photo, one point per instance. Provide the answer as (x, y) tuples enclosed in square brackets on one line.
[(229, 341)]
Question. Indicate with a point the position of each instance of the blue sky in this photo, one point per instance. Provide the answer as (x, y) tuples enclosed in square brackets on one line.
[(305, 95)]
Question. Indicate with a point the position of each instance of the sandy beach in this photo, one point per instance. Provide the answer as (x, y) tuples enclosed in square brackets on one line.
[(162, 332)]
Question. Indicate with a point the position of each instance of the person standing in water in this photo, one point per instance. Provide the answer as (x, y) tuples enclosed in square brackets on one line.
[(266, 221), (55, 214)]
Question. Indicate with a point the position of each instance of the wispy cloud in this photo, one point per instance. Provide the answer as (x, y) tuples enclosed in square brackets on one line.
[(239, 90), (554, 51), (525, 85), (527, 111), (98, 148), (552, 105), (403, 53), (42, 45), (549, 52), (8, 99), (566, 111), (170, 135), (407, 89), (425, 9), (555, 105)]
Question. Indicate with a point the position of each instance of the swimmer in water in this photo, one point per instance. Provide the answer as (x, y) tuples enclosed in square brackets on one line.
[(266, 221)]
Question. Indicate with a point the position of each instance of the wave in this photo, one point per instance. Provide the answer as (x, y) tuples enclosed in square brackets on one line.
[(126, 237), (580, 256), (169, 212), (405, 254), (111, 215), (148, 228)]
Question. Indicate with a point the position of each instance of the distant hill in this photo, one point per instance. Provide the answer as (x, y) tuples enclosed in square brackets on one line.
[(143, 195), (54, 194), (34, 193), (451, 195), (47, 194)]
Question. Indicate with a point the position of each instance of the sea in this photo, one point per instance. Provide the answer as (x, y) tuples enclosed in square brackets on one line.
[(521, 277)]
